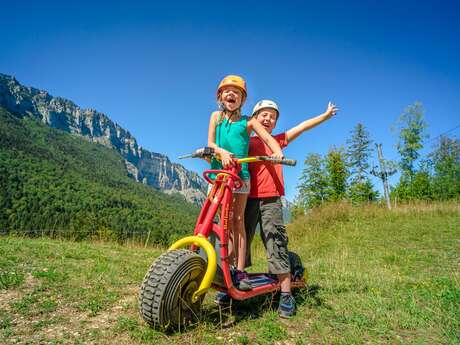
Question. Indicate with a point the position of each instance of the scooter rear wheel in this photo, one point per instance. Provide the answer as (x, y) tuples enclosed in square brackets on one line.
[(165, 298), (297, 268)]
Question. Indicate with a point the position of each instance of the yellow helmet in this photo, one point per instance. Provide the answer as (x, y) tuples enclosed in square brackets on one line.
[(233, 80)]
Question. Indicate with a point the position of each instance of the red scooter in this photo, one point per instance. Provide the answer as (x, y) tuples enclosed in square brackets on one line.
[(175, 285)]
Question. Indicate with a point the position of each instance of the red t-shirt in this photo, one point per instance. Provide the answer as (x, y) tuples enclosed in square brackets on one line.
[(266, 178)]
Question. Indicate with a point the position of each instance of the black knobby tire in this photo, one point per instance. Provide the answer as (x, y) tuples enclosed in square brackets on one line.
[(297, 269), (165, 298)]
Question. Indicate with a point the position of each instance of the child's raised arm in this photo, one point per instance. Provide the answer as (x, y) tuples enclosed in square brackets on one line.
[(225, 156), (253, 124), (294, 132)]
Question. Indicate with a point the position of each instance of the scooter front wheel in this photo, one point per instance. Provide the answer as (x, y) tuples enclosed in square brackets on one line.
[(165, 298)]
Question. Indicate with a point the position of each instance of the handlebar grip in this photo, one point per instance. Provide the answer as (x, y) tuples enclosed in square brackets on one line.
[(285, 161), (200, 153), (291, 162)]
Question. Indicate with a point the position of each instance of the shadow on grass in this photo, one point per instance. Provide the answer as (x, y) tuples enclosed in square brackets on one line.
[(256, 307), (310, 296), (215, 317)]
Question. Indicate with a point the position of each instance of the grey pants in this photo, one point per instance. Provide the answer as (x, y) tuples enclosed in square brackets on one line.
[(268, 212)]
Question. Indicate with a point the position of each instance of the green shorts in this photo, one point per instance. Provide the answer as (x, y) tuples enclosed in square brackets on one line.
[(268, 212)]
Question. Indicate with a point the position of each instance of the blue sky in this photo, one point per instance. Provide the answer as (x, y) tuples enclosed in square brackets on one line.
[(154, 67)]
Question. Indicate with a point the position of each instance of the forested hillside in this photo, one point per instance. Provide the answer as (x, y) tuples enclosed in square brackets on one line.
[(151, 168), (62, 185)]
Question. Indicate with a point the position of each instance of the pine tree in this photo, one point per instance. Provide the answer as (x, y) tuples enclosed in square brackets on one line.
[(312, 190), (358, 153), (337, 174)]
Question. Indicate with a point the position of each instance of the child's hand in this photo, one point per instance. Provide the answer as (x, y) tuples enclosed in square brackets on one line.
[(277, 155), (331, 110), (226, 158)]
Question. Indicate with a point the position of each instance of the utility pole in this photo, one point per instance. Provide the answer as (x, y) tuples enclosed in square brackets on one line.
[(383, 174)]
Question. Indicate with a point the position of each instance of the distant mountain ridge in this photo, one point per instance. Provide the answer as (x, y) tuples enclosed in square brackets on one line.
[(153, 169)]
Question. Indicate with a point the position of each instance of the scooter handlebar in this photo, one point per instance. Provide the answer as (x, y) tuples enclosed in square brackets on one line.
[(284, 161), (209, 152), (200, 153), (290, 162)]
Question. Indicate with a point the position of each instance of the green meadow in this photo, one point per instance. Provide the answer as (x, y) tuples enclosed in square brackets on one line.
[(375, 277)]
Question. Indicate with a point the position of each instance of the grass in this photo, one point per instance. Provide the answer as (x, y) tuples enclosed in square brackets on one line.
[(10, 279), (375, 277)]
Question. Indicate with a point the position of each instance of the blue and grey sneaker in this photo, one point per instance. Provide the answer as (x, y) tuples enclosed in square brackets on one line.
[(286, 308), (222, 299)]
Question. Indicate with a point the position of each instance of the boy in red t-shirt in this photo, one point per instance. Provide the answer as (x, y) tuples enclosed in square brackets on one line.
[(264, 202)]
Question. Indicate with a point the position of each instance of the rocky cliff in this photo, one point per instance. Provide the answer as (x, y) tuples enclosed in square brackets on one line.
[(151, 168)]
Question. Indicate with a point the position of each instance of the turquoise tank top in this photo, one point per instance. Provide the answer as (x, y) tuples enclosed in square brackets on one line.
[(233, 137)]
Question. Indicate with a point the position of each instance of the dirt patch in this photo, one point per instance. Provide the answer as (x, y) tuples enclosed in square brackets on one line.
[(109, 316), (11, 295), (77, 324), (65, 324)]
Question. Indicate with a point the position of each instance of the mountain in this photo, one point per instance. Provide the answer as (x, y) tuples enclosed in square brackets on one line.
[(150, 168), (60, 185)]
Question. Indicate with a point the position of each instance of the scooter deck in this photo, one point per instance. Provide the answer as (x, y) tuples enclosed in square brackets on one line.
[(259, 279), (262, 283)]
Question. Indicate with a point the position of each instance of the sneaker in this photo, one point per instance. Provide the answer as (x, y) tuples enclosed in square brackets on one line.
[(241, 281), (222, 299), (286, 308)]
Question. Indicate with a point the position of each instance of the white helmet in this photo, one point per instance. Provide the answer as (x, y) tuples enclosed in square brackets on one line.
[(263, 104)]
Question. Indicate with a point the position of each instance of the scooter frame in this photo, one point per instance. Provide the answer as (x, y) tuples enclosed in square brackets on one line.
[(219, 202)]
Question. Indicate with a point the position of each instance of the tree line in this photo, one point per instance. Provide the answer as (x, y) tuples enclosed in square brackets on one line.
[(344, 173)]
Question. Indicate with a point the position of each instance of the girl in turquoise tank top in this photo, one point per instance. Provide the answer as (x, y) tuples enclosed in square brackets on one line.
[(228, 135), (234, 137)]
